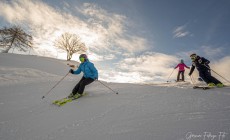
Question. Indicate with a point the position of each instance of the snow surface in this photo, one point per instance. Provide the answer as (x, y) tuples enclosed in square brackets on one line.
[(161, 111)]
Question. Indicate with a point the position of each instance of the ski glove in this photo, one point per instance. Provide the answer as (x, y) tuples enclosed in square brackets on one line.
[(71, 71)]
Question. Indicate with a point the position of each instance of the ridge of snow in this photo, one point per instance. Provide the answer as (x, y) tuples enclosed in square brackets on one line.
[(9, 75)]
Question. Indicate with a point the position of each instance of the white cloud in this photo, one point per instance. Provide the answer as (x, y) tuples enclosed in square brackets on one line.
[(113, 28), (132, 44), (151, 59), (44, 22), (180, 32), (222, 68), (207, 51), (211, 52), (102, 31), (147, 67), (96, 57)]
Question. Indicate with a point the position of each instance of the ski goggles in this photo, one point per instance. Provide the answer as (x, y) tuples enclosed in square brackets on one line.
[(82, 59), (193, 57)]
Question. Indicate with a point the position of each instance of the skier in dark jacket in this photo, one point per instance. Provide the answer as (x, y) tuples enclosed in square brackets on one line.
[(90, 75), (201, 64)]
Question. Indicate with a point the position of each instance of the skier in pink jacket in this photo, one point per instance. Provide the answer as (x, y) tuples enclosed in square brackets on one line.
[(181, 66)]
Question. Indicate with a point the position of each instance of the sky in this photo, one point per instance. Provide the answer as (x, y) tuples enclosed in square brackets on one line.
[(129, 40)]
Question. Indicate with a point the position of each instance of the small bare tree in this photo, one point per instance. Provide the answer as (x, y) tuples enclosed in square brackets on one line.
[(71, 43), (15, 37)]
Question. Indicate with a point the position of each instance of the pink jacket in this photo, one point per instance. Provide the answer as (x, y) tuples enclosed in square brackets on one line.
[(181, 66)]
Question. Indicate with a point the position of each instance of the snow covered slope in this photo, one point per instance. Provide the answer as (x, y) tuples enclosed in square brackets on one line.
[(164, 111), (16, 68)]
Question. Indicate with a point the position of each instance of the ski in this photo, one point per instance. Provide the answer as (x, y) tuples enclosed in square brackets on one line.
[(207, 87), (62, 101), (202, 87), (65, 100)]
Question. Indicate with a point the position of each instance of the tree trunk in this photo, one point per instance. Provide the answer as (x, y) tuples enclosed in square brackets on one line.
[(69, 56), (7, 50)]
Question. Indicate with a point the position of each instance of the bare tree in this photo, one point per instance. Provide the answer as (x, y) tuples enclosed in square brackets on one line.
[(71, 43), (15, 37)]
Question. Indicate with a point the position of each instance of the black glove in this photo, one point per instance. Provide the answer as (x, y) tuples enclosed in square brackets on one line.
[(71, 71), (189, 74)]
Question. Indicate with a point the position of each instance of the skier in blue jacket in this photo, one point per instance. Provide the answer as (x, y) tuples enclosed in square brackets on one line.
[(90, 74), (201, 64)]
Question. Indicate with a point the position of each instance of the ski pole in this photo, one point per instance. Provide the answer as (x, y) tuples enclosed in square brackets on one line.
[(170, 75), (216, 73), (54, 86), (107, 87), (191, 80)]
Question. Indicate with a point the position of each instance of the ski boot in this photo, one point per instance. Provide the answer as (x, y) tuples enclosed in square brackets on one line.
[(71, 95), (220, 85), (76, 96), (211, 85)]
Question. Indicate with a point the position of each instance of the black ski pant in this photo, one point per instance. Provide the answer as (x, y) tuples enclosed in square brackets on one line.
[(182, 75), (79, 88), (207, 77)]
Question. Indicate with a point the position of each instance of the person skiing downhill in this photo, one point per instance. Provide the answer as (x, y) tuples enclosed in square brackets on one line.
[(181, 66), (90, 74), (201, 64)]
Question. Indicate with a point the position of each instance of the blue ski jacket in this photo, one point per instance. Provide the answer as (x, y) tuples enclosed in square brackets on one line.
[(88, 70)]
